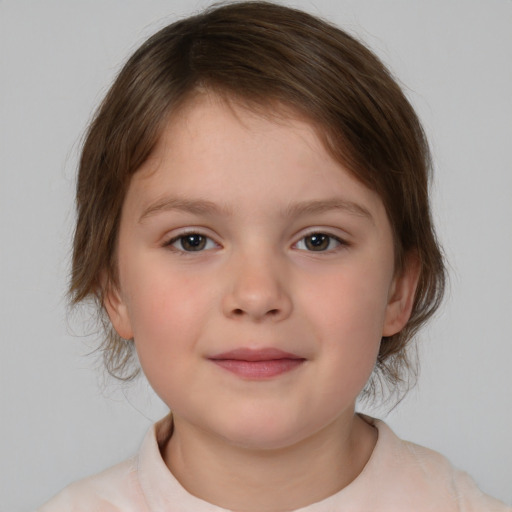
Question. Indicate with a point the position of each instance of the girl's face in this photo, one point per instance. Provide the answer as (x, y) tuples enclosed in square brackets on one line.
[(256, 277)]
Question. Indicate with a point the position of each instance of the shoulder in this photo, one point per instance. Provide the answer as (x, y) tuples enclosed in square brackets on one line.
[(420, 475), (126, 487), (113, 490)]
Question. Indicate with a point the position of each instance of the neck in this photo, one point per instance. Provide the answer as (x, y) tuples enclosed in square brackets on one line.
[(276, 480)]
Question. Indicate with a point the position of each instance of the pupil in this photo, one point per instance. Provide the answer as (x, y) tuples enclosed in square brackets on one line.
[(317, 242), (193, 242)]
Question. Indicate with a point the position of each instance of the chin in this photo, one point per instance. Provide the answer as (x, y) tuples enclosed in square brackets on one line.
[(263, 431)]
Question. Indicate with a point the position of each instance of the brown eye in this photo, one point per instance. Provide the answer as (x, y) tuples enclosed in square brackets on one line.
[(191, 242), (318, 242)]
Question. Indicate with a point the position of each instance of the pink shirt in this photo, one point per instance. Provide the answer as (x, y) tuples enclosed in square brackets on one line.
[(399, 477)]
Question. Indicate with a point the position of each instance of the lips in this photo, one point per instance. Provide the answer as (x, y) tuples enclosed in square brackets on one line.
[(257, 364)]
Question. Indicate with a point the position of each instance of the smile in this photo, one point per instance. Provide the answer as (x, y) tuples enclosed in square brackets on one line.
[(257, 364)]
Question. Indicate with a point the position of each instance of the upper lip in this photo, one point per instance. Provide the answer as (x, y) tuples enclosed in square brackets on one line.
[(248, 354)]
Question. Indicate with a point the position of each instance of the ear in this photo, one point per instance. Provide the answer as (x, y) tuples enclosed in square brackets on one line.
[(401, 296), (116, 308)]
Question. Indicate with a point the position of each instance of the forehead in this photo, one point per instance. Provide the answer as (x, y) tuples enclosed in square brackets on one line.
[(207, 119), (197, 116), (228, 152)]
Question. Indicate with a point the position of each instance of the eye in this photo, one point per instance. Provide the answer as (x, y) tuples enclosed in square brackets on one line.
[(191, 242), (319, 242)]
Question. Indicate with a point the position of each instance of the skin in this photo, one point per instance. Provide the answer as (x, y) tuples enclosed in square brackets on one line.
[(241, 181)]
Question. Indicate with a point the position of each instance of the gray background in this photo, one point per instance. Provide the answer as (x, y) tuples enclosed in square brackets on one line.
[(60, 419)]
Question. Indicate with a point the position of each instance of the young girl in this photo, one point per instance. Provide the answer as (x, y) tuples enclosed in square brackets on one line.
[(253, 221)]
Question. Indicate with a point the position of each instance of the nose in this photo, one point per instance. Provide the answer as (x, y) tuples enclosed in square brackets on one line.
[(257, 290)]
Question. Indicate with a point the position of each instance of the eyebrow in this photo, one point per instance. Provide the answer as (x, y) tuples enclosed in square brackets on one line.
[(194, 206), (205, 207), (325, 205)]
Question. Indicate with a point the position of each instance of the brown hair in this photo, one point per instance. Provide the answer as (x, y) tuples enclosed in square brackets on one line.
[(265, 55)]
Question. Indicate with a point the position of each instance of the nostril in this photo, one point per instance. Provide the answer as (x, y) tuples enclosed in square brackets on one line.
[(241, 312)]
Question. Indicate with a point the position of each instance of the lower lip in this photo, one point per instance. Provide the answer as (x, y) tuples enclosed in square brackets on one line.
[(258, 369)]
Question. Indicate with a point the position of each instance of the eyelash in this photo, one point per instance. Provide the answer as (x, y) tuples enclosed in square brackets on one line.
[(183, 236), (321, 235), (340, 243)]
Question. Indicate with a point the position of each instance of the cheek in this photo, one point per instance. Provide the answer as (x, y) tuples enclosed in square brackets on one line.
[(159, 297), (348, 313), (351, 302), (166, 316)]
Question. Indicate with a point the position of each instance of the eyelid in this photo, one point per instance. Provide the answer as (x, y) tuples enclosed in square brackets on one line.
[(340, 239), (174, 237)]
